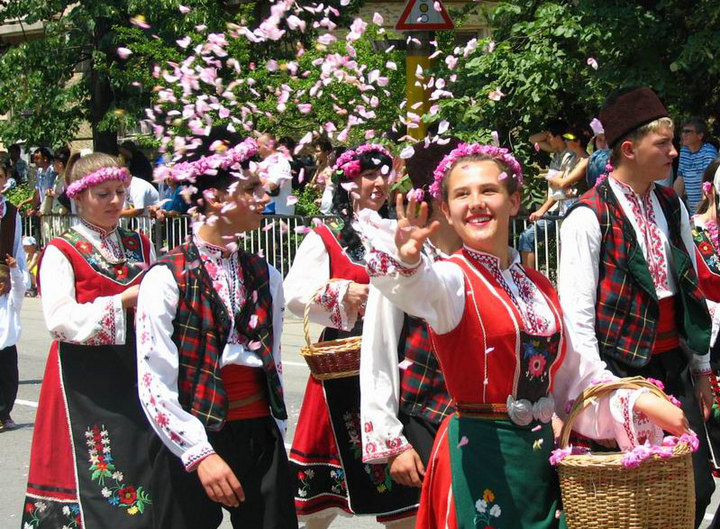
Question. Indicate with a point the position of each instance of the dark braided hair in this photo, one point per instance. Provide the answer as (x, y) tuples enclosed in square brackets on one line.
[(342, 202)]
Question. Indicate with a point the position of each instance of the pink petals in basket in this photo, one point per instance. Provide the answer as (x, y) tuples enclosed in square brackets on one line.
[(637, 455)]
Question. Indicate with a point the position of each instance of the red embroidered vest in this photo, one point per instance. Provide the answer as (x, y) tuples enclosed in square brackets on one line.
[(484, 358), (627, 309)]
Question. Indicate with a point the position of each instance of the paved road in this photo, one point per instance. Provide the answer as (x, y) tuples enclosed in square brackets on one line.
[(33, 347)]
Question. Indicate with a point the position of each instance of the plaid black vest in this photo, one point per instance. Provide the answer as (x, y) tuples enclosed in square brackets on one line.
[(201, 329), (423, 392), (627, 309)]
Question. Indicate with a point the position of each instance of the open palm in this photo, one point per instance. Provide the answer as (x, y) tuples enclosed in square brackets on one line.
[(412, 230)]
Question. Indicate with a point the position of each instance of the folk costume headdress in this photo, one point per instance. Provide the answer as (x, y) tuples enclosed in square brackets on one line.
[(628, 111)]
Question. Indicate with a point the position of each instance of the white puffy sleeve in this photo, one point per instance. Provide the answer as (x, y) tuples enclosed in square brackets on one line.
[(100, 322), (382, 435), (308, 281), (158, 368)]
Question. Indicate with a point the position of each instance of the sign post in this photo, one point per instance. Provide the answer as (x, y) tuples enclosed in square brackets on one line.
[(421, 17)]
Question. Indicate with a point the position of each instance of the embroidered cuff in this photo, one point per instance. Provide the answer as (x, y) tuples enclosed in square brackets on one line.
[(632, 428), (192, 457), (378, 450), (331, 300), (379, 263)]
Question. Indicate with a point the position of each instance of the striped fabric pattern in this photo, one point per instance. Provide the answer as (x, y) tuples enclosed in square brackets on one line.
[(691, 168)]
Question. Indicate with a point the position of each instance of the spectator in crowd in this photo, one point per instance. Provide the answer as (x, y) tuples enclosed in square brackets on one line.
[(570, 184), (17, 166), (276, 172), (32, 258), (600, 155), (44, 181), (135, 160), (140, 197), (58, 203), (326, 199), (695, 155), (13, 282), (563, 159), (10, 182), (174, 204), (301, 167)]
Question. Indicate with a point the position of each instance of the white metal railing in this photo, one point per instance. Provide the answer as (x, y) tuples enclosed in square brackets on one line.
[(278, 237)]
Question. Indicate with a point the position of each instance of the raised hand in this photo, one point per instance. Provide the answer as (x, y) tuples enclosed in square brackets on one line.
[(412, 232)]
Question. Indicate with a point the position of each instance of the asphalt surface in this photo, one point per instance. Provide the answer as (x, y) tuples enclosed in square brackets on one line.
[(33, 348)]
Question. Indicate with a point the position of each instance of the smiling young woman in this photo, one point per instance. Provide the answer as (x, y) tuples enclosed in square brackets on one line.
[(499, 335), (89, 408)]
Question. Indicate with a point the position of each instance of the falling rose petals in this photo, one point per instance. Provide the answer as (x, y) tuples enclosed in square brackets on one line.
[(184, 42), (536, 428), (369, 134), (124, 53), (491, 46), (254, 345), (592, 63), (272, 65), (407, 152), (502, 176), (344, 2), (302, 230), (378, 19), (140, 22), (451, 61), (496, 95), (269, 226), (536, 146), (348, 186), (253, 321), (464, 441), (184, 9), (291, 200), (391, 66), (443, 127), (495, 138), (304, 108)]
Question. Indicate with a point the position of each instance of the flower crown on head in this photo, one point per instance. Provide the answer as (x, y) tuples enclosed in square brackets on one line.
[(104, 174), (209, 165), (349, 166), (465, 150)]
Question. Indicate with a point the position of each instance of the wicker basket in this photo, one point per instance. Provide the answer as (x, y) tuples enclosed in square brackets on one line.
[(331, 359), (598, 492)]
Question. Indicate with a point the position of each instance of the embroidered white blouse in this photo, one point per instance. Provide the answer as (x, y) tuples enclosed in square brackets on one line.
[(578, 274), (308, 281), (157, 354), (380, 373), (101, 321), (712, 305), (442, 306)]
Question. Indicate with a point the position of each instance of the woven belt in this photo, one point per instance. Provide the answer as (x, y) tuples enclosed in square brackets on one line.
[(492, 411), (241, 403)]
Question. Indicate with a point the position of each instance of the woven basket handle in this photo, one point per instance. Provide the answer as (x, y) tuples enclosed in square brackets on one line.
[(306, 313), (596, 391)]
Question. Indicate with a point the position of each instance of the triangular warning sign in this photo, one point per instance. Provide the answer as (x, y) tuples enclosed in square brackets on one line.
[(424, 15)]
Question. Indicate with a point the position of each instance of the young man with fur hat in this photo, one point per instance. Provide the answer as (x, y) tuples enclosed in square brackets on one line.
[(627, 282), (209, 323)]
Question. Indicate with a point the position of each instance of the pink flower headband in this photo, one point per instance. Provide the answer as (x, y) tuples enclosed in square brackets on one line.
[(97, 177), (348, 164), (209, 165), (465, 150)]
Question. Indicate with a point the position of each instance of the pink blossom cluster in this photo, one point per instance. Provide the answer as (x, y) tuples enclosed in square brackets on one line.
[(600, 179), (640, 453), (348, 163), (465, 150), (209, 165), (637, 455), (98, 177)]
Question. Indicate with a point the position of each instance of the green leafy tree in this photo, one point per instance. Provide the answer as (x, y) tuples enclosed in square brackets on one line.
[(540, 62)]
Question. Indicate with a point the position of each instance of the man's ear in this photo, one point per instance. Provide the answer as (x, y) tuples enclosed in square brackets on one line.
[(627, 149)]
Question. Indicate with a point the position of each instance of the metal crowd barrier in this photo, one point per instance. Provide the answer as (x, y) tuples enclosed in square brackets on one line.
[(278, 237)]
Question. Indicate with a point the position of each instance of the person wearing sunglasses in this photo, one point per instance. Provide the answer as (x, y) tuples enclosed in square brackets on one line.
[(695, 156)]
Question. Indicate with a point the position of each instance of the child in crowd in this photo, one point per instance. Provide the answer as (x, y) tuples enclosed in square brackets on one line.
[(32, 257)]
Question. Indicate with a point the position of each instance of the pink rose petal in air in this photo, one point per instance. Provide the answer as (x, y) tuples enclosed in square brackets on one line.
[(464, 441), (592, 63), (124, 53)]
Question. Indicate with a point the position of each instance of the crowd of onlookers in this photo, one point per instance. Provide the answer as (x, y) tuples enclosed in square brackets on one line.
[(579, 155)]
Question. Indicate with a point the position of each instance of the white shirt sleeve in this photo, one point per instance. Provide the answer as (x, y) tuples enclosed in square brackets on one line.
[(308, 281), (686, 234), (158, 368), (100, 322), (578, 277), (611, 417), (19, 254), (278, 302), (380, 380)]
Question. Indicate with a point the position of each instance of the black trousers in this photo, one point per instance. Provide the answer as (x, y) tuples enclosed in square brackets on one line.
[(254, 450), (672, 368), (8, 380)]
